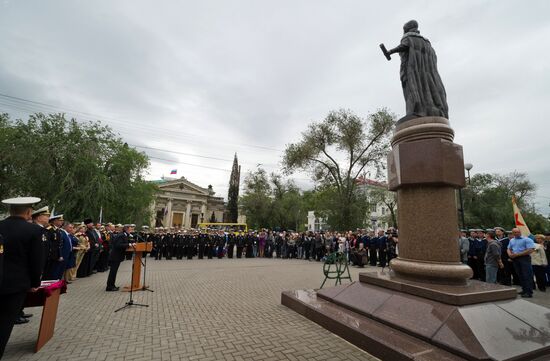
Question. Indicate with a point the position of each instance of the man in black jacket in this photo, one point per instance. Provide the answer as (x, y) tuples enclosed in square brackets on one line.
[(93, 238), (118, 252), (22, 262)]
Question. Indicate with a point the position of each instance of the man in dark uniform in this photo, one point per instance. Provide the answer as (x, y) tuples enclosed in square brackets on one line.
[(93, 238), (22, 262), (211, 248), (41, 217), (220, 244), (480, 247), (230, 245), (191, 246), (202, 244), (55, 258), (240, 244), (180, 246), (169, 245), (118, 252)]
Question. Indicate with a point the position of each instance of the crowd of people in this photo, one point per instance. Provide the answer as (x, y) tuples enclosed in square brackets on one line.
[(179, 244), (495, 255), (36, 245), (507, 257)]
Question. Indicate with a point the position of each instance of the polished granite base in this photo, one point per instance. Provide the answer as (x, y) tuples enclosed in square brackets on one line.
[(394, 325), (471, 293)]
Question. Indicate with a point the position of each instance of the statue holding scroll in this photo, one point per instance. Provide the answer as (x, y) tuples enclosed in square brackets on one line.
[(422, 86)]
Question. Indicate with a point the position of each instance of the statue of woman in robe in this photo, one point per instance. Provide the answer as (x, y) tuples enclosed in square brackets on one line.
[(422, 86)]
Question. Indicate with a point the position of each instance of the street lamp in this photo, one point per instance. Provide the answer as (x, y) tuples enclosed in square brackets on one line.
[(468, 167), (373, 219)]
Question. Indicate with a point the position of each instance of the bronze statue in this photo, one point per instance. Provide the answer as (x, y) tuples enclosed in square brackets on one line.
[(422, 86)]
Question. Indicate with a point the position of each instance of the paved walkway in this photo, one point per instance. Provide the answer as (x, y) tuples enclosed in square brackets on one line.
[(200, 310), (225, 309)]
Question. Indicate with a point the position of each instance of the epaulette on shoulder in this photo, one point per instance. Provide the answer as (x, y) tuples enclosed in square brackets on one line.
[(49, 227)]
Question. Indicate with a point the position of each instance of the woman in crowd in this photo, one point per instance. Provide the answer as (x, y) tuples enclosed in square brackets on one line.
[(539, 263), (70, 272), (83, 248), (261, 241)]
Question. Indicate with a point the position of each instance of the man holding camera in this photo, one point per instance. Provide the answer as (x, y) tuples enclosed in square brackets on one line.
[(119, 244)]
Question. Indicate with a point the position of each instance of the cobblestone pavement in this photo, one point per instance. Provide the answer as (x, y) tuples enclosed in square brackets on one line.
[(226, 309)]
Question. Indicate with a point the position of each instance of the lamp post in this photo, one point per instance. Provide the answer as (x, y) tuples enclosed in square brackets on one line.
[(468, 167), (373, 219)]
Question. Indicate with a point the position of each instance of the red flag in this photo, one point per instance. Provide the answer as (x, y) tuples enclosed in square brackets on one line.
[(520, 223)]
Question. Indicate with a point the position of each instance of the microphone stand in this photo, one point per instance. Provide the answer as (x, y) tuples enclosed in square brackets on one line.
[(131, 301)]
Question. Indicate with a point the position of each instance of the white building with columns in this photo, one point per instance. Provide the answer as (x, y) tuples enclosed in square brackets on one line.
[(182, 204)]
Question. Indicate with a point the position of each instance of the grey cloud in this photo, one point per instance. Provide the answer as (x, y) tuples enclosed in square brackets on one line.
[(207, 77)]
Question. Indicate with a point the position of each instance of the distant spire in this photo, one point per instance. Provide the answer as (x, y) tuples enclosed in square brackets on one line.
[(233, 192)]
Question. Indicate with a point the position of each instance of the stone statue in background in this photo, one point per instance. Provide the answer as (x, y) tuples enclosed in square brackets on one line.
[(422, 86)]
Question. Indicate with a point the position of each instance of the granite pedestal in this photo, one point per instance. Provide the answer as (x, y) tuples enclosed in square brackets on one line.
[(396, 325)]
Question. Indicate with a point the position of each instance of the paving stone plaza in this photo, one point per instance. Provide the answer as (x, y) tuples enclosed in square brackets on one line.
[(226, 309)]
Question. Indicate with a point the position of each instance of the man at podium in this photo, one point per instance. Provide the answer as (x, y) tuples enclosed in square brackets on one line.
[(120, 242)]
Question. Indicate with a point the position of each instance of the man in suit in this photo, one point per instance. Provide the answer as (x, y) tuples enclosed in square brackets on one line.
[(22, 262), (94, 245), (118, 252)]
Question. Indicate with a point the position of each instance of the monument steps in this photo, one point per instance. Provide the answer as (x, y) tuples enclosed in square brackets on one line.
[(394, 325), (372, 336)]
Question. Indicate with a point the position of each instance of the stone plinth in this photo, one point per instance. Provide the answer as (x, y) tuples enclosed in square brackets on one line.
[(460, 295), (394, 325), (425, 167)]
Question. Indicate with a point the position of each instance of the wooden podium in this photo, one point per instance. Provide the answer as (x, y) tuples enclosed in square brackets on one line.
[(138, 255), (47, 296)]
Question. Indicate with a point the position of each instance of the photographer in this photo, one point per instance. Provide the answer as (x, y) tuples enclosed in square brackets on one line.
[(118, 249)]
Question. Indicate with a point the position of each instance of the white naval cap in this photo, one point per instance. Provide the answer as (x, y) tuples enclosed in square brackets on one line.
[(21, 201), (56, 216), (43, 210)]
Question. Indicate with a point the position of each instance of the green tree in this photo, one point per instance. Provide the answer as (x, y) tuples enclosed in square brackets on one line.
[(269, 201), (488, 201), (76, 168), (335, 151), (256, 199)]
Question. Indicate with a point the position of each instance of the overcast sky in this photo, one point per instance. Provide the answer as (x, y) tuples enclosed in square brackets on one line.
[(212, 78)]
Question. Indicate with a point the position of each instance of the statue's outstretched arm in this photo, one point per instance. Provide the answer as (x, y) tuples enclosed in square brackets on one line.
[(398, 49)]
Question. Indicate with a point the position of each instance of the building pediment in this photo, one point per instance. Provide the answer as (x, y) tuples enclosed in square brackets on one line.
[(182, 185)]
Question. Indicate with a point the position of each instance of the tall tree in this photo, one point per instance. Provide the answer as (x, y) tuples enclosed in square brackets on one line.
[(233, 192), (488, 201), (335, 151), (256, 200), (75, 167), (269, 201)]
